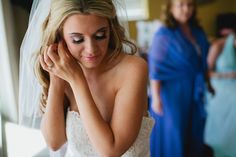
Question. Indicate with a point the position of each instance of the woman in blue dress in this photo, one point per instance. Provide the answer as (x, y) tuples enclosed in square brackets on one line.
[(220, 131), (177, 64)]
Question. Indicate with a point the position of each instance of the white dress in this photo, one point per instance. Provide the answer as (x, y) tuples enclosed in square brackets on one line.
[(78, 144)]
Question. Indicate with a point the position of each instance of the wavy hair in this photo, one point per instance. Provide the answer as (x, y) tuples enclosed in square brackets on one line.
[(170, 21), (53, 25)]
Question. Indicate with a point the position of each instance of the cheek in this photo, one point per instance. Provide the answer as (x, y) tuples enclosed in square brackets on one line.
[(175, 11), (70, 46), (73, 52), (104, 47), (74, 49), (191, 11)]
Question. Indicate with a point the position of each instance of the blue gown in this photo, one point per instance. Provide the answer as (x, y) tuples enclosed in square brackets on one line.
[(180, 66), (220, 131)]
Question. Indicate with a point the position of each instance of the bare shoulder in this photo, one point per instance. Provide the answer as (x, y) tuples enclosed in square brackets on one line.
[(219, 43), (131, 64), (216, 47), (130, 69)]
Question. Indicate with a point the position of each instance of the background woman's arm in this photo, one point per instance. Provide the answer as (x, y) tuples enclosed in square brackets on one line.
[(156, 99)]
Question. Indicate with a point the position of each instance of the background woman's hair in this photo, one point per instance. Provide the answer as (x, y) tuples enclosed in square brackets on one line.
[(170, 21), (53, 27)]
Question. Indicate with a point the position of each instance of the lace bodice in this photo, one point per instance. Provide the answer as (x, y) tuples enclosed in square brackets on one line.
[(80, 146)]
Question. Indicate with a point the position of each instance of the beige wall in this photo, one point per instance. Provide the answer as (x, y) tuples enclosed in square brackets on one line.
[(206, 14)]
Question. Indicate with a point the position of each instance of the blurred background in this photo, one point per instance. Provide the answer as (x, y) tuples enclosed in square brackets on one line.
[(143, 18)]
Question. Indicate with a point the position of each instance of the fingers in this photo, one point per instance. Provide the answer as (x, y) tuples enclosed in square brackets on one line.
[(55, 54), (46, 58), (43, 64), (49, 57)]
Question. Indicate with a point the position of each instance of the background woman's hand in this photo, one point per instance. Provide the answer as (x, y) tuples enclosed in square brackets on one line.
[(156, 98), (208, 83), (157, 107), (211, 89)]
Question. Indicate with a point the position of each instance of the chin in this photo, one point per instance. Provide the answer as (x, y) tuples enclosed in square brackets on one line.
[(183, 21), (90, 65)]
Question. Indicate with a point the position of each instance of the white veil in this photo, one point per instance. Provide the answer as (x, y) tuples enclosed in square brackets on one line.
[(29, 87)]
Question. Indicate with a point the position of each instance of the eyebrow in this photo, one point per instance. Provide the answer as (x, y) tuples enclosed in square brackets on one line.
[(99, 30)]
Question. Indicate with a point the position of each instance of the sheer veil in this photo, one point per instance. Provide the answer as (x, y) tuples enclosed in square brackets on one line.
[(29, 87)]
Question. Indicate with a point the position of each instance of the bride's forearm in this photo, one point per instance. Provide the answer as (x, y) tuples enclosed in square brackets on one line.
[(53, 122), (99, 132)]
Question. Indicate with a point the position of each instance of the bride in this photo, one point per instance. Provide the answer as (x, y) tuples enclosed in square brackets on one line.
[(93, 92)]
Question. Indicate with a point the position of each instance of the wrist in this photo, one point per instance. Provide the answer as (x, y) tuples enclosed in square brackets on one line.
[(56, 86), (77, 79)]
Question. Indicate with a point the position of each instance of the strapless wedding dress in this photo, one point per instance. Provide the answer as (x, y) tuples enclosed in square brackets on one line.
[(78, 144)]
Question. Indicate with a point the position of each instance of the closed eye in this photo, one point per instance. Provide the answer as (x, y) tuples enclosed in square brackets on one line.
[(100, 35), (77, 39)]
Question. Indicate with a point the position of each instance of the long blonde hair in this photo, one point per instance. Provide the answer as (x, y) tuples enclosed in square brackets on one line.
[(52, 31)]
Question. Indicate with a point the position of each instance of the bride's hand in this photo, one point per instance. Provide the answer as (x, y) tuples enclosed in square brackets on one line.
[(47, 64), (60, 62)]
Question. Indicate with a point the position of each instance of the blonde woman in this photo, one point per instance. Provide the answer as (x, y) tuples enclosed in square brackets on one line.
[(93, 91)]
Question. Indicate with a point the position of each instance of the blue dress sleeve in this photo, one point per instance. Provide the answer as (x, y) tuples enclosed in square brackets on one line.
[(157, 53)]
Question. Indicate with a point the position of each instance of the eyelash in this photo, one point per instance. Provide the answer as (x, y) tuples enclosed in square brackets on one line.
[(96, 38), (77, 41), (100, 37)]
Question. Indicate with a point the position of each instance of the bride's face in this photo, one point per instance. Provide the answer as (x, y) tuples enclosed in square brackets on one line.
[(87, 38)]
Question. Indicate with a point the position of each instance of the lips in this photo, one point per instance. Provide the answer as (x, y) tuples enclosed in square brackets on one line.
[(90, 58)]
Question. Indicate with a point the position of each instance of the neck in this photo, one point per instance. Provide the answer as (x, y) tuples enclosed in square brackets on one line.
[(105, 66), (95, 71), (187, 31), (90, 73), (184, 26)]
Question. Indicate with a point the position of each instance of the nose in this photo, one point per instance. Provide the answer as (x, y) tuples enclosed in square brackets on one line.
[(91, 47)]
